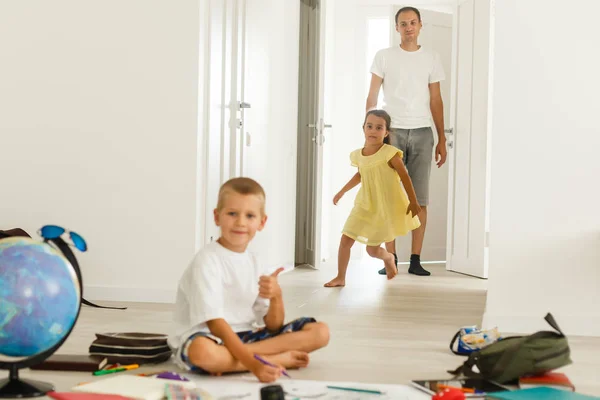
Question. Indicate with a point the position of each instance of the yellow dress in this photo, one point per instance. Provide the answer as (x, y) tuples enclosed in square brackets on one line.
[(379, 213)]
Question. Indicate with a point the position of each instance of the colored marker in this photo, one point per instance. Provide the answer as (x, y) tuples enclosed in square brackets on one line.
[(262, 360), (108, 371), (122, 368), (462, 389)]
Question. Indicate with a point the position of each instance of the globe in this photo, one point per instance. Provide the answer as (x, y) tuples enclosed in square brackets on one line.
[(40, 298)]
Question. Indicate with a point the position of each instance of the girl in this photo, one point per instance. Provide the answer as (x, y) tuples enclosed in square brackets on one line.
[(381, 208)]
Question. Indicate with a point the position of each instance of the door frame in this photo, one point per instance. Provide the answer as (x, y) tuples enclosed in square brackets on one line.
[(229, 138), (309, 132), (483, 222), (449, 124)]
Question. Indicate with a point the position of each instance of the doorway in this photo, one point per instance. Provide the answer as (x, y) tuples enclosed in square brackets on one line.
[(457, 227)]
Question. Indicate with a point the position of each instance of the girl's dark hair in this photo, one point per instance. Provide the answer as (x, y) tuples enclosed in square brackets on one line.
[(386, 117)]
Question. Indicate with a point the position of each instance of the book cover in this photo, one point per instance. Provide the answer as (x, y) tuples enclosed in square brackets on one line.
[(136, 387), (85, 396), (538, 393), (556, 380), (71, 362)]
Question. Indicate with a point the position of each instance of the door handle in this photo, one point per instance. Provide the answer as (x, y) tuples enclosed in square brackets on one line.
[(323, 125), (449, 131), (243, 104)]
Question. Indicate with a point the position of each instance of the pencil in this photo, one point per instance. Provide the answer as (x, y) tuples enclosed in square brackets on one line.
[(355, 390), (262, 360)]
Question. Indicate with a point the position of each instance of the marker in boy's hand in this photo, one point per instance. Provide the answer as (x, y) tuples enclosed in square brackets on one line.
[(268, 287)]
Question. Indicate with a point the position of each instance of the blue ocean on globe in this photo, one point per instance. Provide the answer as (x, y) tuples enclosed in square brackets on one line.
[(39, 297)]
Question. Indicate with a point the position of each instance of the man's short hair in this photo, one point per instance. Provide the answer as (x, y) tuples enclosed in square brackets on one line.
[(405, 9), (242, 186)]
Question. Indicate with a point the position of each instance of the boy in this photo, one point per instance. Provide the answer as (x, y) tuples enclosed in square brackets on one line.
[(224, 295)]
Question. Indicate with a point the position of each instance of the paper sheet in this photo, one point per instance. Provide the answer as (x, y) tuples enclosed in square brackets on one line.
[(247, 387)]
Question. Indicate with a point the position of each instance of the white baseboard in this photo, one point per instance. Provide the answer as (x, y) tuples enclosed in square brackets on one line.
[(571, 325), (127, 294)]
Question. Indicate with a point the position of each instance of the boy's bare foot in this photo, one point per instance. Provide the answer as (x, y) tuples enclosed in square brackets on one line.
[(336, 282), (390, 267), (291, 359)]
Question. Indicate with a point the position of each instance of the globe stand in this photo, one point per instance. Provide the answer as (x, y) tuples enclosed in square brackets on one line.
[(13, 387)]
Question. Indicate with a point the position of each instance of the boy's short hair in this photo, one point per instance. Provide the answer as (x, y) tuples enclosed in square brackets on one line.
[(242, 186)]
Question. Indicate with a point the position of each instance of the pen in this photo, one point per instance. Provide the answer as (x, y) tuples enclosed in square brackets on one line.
[(355, 390), (262, 360)]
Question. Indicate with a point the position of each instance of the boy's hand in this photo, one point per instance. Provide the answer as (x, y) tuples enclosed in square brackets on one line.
[(414, 208), (266, 373), (268, 287), (337, 198)]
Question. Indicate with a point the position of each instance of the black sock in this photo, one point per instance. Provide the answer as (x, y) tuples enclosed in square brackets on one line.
[(415, 266)]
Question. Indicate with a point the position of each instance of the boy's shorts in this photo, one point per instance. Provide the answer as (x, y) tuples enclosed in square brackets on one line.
[(181, 354)]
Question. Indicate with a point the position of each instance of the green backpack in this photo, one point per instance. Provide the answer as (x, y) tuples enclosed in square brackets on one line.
[(510, 358)]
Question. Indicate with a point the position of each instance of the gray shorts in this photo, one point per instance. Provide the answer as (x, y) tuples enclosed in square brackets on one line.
[(417, 146)]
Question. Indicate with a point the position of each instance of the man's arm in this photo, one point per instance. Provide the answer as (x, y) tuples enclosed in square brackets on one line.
[(437, 112), (376, 82)]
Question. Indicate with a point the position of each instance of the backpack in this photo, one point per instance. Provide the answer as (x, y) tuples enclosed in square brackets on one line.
[(513, 357), (131, 347), (471, 338)]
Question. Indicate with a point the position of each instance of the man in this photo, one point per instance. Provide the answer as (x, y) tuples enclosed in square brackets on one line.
[(411, 75)]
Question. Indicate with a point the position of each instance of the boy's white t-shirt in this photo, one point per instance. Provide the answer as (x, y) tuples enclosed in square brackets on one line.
[(219, 283), (406, 78)]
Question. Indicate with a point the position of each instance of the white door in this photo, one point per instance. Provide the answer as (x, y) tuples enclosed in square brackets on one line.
[(468, 143), (311, 133), (436, 35), (222, 115)]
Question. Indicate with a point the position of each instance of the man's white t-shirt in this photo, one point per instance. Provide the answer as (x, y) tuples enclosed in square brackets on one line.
[(406, 78), (219, 283)]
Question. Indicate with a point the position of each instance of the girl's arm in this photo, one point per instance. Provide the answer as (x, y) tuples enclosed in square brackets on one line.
[(398, 165), (355, 180)]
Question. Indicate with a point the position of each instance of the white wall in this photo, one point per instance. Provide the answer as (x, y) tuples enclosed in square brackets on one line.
[(98, 126), (544, 217)]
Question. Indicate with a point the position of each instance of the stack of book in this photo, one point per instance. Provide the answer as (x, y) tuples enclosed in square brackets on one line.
[(556, 380)]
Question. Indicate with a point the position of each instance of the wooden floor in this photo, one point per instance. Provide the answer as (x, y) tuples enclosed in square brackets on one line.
[(381, 332)]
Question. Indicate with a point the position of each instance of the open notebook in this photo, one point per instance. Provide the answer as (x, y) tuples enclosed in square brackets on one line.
[(133, 386)]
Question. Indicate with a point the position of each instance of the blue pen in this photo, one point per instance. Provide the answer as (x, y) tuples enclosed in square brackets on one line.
[(262, 360)]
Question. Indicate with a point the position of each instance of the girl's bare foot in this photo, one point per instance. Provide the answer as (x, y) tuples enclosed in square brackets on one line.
[(336, 282), (390, 266), (290, 359)]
